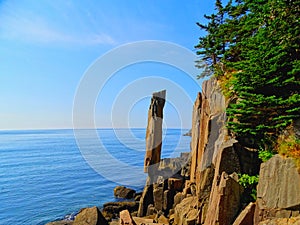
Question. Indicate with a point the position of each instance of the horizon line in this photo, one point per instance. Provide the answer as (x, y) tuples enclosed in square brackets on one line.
[(98, 128)]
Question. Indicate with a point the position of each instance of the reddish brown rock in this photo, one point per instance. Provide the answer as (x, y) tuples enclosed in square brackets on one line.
[(90, 216), (124, 192), (175, 184)]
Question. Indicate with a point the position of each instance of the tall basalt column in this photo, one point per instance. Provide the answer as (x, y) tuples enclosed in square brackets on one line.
[(195, 135), (154, 132)]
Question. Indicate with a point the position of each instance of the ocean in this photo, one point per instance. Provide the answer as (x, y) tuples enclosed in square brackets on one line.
[(45, 176)]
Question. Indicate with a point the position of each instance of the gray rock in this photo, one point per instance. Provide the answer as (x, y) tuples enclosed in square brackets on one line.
[(278, 192), (224, 201)]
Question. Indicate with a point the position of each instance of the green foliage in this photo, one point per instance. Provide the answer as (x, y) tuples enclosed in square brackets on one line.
[(249, 183), (265, 155), (260, 41)]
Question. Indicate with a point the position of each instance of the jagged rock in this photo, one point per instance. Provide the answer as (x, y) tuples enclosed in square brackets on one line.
[(125, 218), (146, 199), (175, 184), (111, 210), (189, 188), (168, 200), (210, 192), (177, 199), (204, 191), (154, 131), (123, 192), (281, 221), (246, 217), (185, 211), (151, 210), (90, 216), (224, 201), (278, 189), (158, 196)]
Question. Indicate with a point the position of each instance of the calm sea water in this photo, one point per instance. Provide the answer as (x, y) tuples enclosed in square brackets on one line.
[(44, 176)]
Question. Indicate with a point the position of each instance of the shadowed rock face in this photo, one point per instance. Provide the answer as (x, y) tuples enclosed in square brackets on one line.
[(154, 131)]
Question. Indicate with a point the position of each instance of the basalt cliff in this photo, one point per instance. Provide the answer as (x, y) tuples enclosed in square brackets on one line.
[(206, 188), (202, 185)]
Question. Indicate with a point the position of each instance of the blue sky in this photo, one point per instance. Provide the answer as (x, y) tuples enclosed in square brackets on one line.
[(47, 46)]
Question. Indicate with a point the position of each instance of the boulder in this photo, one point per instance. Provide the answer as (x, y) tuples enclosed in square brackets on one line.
[(278, 188), (125, 218), (111, 210), (90, 216), (123, 192)]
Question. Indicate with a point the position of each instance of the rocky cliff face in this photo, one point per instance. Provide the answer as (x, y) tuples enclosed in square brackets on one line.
[(217, 159), (210, 193)]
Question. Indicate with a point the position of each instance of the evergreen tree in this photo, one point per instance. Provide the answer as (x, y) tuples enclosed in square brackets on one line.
[(259, 41)]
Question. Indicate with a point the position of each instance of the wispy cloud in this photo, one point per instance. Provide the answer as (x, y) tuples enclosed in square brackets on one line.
[(21, 25)]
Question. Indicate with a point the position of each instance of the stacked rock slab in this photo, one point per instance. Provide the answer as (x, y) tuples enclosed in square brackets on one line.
[(153, 148), (208, 134), (154, 131), (195, 135)]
